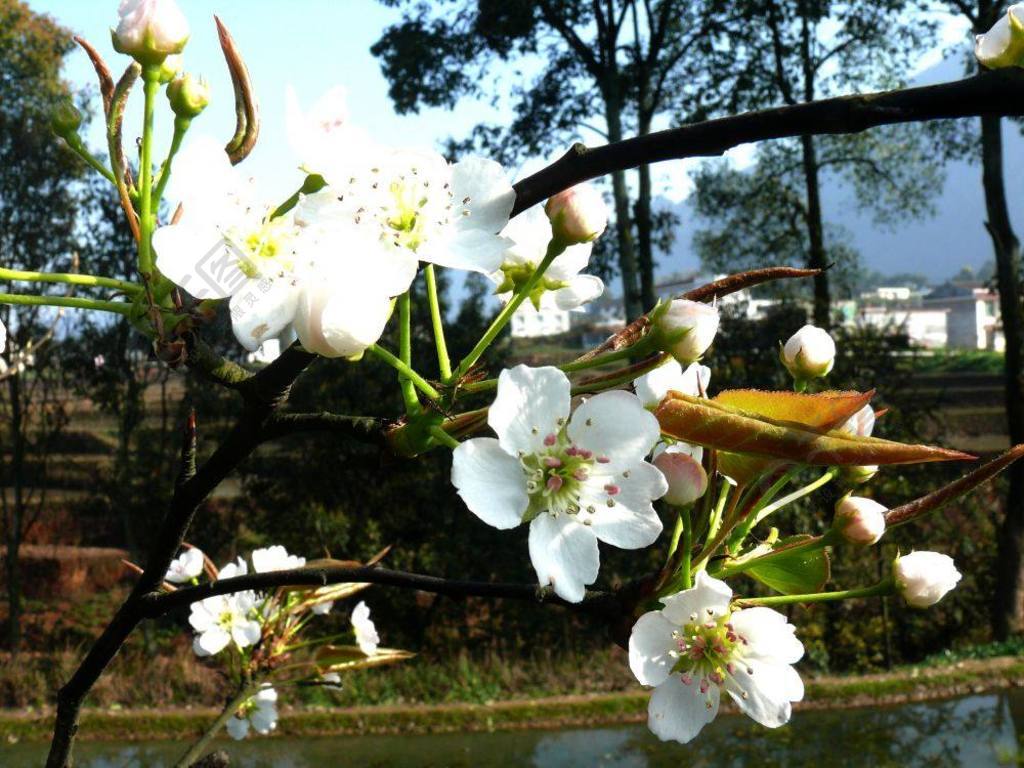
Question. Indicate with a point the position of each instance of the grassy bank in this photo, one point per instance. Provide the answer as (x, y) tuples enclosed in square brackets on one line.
[(626, 706)]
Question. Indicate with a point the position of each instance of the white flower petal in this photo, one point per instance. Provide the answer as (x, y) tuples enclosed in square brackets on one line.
[(237, 728), (707, 592), (678, 712), (198, 259), (650, 646), (261, 309), (570, 262), (616, 426), (490, 193), (581, 289), (631, 522), (213, 640), (769, 635), (490, 482), (246, 632), (769, 689), (366, 632), (531, 404), (564, 554), (474, 250)]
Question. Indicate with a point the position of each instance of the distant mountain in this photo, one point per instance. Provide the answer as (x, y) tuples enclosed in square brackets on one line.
[(938, 246)]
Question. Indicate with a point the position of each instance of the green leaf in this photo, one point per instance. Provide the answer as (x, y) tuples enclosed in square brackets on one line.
[(793, 571)]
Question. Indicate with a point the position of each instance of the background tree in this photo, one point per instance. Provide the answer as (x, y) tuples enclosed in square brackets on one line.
[(792, 51), (614, 67), (1008, 613), (38, 207)]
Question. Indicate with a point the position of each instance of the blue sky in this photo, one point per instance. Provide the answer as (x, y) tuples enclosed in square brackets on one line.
[(314, 45)]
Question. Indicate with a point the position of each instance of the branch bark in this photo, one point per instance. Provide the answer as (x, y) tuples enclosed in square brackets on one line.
[(992, 93)]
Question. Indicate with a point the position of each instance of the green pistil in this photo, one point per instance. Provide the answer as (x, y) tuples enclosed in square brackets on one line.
[(555, 477)]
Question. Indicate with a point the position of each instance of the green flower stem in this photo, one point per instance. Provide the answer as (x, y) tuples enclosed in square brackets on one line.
[(195, 751), (70, 279), (180, 128), (74, 302), (799, 493), (408, 374), (74, 141), (636, 350), (744, 528), (444, 365), (412, 402), (444, 438), (886, 587), (715, 521), (151, 86), (612, 381), (555, 247)]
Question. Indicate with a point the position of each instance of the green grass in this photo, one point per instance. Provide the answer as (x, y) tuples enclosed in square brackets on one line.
[(959, 361)]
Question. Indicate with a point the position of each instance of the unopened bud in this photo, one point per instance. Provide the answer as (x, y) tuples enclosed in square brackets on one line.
[(857, 475), (65, 118), (169, 68), (809, 354), (686, 478), (1003, 44), (924, 578), (578, 214), (686, 328), (188, 96), (150, 30), (859, 520)]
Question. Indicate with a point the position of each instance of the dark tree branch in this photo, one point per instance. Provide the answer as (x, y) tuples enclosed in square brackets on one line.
[(323, 575), (363, 428), (999, 92)]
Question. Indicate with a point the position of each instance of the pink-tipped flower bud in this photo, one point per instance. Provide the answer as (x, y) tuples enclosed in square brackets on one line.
[(924, 578), (809, 354), (687, 328), (859, 520), (578, 214), (1003, 44), (150, 30), (686, 478)]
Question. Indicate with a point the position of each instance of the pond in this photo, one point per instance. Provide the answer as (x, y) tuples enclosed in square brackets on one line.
[(975, 731)]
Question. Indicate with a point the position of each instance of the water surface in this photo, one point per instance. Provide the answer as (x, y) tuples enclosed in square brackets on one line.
[(976, 731)]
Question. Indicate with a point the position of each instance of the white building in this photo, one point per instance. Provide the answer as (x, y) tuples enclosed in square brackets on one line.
[(924, 327), (973, 320), (530, 323)]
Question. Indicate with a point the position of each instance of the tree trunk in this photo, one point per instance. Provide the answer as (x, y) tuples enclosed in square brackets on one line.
[(816, 251), (15, 598), (623, 221), (645, 248), (1009, 603)]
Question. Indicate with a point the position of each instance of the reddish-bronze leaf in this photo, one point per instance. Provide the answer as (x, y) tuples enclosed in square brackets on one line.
[(716, 425)]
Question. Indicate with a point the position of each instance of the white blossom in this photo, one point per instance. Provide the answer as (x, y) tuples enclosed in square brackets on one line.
[(577, 214), (275, 558), (696, 646), (417, 204), (259, 713), (366, 633), (3, 336), (186, 566), (221, 619), (860, 520), (574, 480), (688, 328), (1003, 44), (150, 30), (924, 578), (809, 353)]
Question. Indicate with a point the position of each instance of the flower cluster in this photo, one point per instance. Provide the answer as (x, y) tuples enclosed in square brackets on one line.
[(255, 633)]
